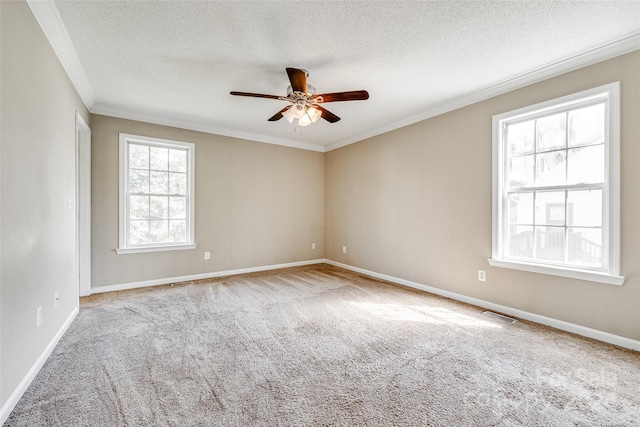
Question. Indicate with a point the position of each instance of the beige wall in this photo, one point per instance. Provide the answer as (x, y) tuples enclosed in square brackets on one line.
[(415, 203), (256, 204), (37, 238)]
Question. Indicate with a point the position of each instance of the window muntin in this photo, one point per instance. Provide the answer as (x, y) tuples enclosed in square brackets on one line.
[(156, 200), (555, 184)]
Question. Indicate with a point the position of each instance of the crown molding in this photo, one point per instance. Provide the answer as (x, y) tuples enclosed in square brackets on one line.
[(202, 127), (49, 19), (583, 59)]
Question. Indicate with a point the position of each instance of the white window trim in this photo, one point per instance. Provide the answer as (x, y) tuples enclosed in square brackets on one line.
[(123, 205), (611, 215)]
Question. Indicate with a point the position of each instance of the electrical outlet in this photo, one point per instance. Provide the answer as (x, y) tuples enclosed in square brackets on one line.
[(482, 275), (39, 317), (207, 256), (313, 246), (57, 299), (344, 249)]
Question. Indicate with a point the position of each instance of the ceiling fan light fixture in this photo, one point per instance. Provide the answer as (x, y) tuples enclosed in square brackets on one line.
[(314, 114), (311, 116), (305, 120), (290, 114), (299, 110)]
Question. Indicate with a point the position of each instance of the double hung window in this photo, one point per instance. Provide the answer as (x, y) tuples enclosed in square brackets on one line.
[(556, 190), (156, 194)]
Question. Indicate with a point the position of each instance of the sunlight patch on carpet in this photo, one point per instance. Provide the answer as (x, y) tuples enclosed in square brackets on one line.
[(424, 314)]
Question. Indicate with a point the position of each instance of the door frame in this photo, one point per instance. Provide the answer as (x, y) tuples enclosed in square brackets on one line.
[(83, 210)]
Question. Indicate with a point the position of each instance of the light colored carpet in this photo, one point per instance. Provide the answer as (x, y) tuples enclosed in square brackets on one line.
[(319, 345)]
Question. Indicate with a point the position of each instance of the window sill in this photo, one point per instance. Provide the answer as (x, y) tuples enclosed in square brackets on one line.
[(124, 251), (592, 276)]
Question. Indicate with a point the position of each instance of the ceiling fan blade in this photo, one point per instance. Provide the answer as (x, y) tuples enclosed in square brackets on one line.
[(354, 95), (328, 115), (254, 95), (298, 79), (278, 115)]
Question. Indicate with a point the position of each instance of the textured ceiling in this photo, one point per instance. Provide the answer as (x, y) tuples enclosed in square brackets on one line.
[(177, 61)]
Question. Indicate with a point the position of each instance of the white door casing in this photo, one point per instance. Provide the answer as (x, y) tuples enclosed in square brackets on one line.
[(83, 197)]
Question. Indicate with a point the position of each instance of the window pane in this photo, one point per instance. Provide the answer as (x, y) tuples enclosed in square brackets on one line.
[(550, 208), (520, 138), (159, 158), (159, 231), (139, 207), (521, 171), (521, 241), (138, 156), (138, 232), (521, 208), (586, 125), (585, 208), (138, 181), (177, 231), (550, 243), (552, 132), (585, 246), (178, 183), (159, 207), (177, 207), (159, 182), (586, 165), (177, 160), (551, 168)]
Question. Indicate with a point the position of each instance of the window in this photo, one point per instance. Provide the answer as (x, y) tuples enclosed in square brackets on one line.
[(556, 187), (156, 195)]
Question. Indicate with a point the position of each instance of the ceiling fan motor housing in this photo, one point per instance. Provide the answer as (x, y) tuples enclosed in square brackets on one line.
[(311, 90)]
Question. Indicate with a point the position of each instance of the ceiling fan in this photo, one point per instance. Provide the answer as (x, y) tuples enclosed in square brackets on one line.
[(305, 102)]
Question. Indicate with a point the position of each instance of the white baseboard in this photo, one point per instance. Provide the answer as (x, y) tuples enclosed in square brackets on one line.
[(165, 281), (28, 379), (548, 321)]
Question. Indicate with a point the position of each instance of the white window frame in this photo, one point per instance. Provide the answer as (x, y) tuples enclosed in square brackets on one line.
[(123, 247), (610, 93)]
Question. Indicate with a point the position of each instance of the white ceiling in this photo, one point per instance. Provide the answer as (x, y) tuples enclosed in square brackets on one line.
[(174, 62)]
